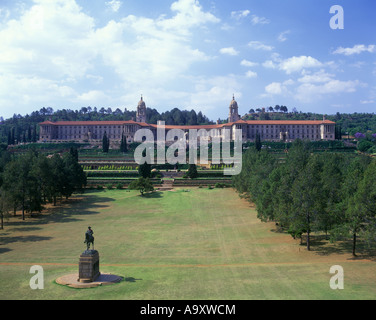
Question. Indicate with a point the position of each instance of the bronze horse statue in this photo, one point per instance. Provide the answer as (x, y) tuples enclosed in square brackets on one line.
[(89, 238)]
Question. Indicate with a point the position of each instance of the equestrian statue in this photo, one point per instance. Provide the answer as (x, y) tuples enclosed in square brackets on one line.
[(89, 238)]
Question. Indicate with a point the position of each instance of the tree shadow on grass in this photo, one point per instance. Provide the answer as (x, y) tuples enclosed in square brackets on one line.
[(31, 238), (69, 211), (3, 250), (324, 247), (153, 195), (131, 279)]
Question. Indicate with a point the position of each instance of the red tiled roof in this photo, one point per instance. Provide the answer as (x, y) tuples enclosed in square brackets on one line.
[(296, 122), (198, 127), (92, 123), (213, 126)]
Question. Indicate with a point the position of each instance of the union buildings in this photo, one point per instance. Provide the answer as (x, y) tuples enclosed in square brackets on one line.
[(269, 130)]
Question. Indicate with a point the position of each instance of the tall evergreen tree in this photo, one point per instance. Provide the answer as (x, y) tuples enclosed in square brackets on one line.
[(105, 143), (258, 144), (192, 171), (34, 136), (123, 144), (307, 194)]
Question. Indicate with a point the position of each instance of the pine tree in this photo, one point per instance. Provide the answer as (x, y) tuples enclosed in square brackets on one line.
[(258, 142), (192, 171), (105, 143), (142, 184), (123, 144), (34, 137)]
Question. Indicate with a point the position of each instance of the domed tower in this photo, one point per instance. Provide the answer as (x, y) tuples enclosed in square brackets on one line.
[(234, 114), (141, 111)]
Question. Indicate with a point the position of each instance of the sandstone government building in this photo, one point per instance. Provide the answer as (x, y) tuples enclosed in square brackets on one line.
[(269, 130)]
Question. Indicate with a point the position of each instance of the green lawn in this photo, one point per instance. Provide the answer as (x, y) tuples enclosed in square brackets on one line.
[(201, 244)]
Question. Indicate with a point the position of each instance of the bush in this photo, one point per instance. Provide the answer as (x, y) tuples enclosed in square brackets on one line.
[(220, 185), (99, 187), (109, 186), (364, 145), (119, 186)]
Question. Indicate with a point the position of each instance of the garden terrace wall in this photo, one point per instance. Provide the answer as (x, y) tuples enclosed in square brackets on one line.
[(125, 182), (200, 182), (112, 174)]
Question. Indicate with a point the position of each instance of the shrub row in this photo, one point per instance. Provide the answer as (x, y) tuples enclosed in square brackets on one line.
[(197, 182), (111, 174), (120, 180), (88, 167)]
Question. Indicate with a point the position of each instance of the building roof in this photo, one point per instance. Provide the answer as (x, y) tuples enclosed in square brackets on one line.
[(292, 122), (233, 102), (92, 123), (197, 127), (141, 103)]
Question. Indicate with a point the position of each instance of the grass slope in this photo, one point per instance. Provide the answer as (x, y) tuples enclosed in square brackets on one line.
[(201, 244)]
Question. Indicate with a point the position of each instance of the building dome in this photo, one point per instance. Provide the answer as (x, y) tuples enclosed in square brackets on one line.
[(233, 116), (141, 103), (233, 103)]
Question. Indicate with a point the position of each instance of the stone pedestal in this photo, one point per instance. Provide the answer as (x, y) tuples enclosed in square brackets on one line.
[(88, 266)]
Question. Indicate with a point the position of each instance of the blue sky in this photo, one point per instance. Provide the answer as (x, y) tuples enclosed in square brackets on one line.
[(190, 54)]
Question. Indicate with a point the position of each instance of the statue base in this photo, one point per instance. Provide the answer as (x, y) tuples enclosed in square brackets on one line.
[(88, 270)]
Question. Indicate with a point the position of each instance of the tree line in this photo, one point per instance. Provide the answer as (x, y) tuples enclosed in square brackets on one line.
[(31, 180), (310, 193)]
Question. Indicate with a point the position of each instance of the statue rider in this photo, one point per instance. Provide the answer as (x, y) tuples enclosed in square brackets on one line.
[(89, 238)]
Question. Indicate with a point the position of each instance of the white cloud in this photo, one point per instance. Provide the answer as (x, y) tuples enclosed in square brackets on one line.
[(18, 91), (93, 96), (320, 76), (289, 82), (367, 101), (189, 14), (226, 27), (259, 20), (240, 14), (54, 44), (357, 49), (230, 51), (282, 36), (274, 88), (257, 45), (114, 5), (269, 64), (4, 14), (58, 45), (247, 63), (296, 64), (251, 74), (308, 92), (214, 91)]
